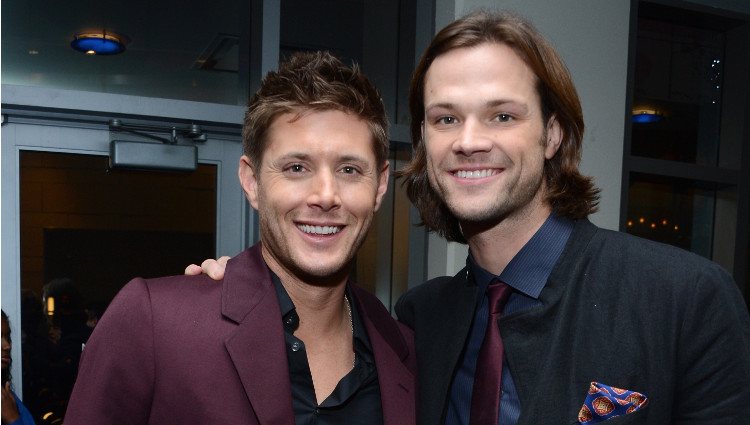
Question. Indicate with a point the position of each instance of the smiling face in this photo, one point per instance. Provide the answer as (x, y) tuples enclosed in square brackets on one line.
[(316, 190), (485, 138)]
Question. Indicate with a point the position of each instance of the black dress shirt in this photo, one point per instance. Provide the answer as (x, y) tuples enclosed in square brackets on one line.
[(356, 398), (526, 274)]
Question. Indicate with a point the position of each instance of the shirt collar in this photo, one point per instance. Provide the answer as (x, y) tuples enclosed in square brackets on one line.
[(530, 268), (290, 318)]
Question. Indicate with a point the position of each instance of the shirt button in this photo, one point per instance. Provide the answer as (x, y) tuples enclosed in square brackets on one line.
[(317, 411), (296, 345)]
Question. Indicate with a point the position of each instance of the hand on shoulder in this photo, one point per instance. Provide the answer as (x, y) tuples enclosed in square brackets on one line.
[(213, 268)]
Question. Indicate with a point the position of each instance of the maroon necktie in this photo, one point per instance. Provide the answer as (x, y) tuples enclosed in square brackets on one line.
[(485, 397)]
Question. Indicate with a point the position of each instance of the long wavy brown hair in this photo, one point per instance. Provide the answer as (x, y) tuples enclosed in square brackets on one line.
[(570, 193)]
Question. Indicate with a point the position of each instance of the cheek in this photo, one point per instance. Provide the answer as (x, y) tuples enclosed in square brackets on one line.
[(431, 157), (359, 200), (433, 150), (533, 163), (273, 208), (433, 143)]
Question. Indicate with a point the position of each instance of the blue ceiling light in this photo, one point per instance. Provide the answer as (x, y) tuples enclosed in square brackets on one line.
[(99, 43), (646, 116)]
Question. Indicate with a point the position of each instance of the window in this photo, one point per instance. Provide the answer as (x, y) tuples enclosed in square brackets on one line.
[(685, 170)]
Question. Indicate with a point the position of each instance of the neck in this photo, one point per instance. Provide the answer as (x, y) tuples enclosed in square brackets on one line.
[(319, 302), (325, 325), (494, 246)]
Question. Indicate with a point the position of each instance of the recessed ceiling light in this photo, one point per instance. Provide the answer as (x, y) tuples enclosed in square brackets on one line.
[(646, 116), (99, 43)]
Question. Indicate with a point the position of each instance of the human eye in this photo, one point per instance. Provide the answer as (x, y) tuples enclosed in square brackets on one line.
[(504, 117), (350, 169), (446, 120), (295, 168)]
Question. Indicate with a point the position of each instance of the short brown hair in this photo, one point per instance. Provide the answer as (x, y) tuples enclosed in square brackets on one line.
[(314, 81), (569, 192)]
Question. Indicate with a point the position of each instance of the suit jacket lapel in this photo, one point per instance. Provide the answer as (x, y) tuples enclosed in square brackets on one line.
[(536, 330), (257, 348), (397, 389), (440, 343)]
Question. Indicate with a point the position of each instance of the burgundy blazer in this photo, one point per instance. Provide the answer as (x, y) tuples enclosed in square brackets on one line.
[(186, 350)]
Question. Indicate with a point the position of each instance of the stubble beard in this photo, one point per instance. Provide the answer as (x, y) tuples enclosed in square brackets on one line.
[(515, 199), (278, 246), (511, 201)]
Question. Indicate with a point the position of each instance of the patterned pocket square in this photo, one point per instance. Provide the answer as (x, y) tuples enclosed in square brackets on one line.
[(606, 402)]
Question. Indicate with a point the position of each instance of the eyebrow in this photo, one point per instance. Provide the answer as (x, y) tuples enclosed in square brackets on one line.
[(353, 158), (295, 155), (300, 156), (489, 104)]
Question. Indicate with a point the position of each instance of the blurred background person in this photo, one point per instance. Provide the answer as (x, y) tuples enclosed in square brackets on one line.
[(13, 411), (67, 332)]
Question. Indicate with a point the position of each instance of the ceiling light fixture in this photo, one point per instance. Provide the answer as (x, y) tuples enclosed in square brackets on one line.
[(99, 43), (646, 116)]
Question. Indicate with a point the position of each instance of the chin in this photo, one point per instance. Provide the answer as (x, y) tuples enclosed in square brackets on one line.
[(320, 271), (487, 213)]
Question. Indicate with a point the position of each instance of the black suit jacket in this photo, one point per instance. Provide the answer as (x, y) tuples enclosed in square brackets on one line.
[(617, 309)]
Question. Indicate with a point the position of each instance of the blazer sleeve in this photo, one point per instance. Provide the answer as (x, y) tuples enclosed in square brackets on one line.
[(422, 299), (115, 381), (405, 311), (713, 385)]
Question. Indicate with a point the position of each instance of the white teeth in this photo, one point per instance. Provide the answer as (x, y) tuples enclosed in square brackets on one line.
[(319, 230), (477, 174)]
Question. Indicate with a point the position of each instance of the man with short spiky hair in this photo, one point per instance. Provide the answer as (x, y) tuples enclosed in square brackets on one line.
[(285, 337)]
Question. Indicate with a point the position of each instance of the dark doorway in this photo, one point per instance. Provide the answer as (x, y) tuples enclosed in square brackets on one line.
[(87, 230)]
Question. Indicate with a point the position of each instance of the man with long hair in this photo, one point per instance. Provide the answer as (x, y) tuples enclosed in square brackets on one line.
[(553, 320)]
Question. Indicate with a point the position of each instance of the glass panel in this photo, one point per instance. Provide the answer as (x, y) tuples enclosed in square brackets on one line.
[(372, 34), (678, 90), (401, 229), (176, 50), (747, 269), (382, 263), (679, 212), (85, 231)]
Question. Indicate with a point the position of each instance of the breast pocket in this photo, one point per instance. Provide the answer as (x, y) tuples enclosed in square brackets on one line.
[(638, 417)]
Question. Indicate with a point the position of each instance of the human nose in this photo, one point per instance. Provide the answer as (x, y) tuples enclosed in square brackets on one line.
[(325, 191), (472, 138)]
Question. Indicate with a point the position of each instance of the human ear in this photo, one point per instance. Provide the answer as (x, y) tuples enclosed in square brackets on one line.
[(382, 184), (554, 137), (248, 180)]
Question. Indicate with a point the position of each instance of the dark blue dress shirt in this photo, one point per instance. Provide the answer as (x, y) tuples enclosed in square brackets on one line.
[(527, 273)]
